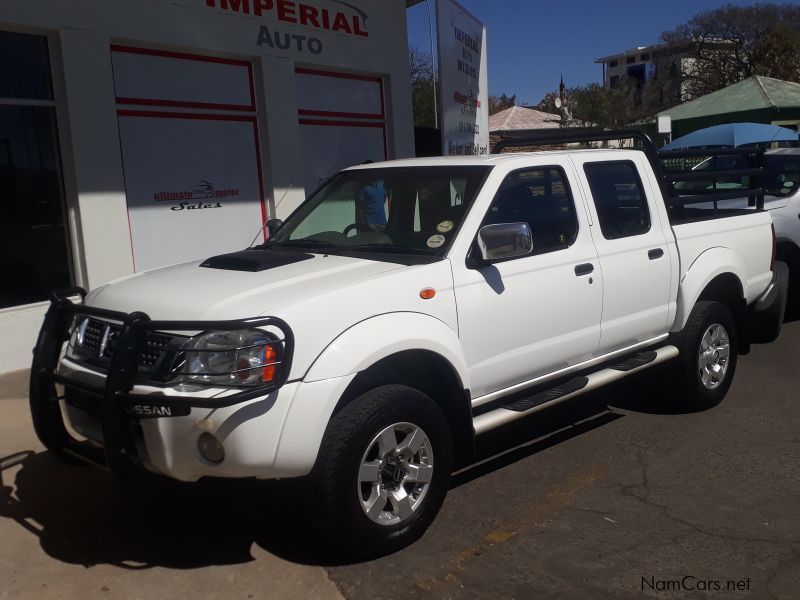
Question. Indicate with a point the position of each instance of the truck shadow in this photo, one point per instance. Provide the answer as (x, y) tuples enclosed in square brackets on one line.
[(83, 515)]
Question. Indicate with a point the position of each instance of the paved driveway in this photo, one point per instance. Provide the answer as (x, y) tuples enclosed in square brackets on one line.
[(617, 498), (75, 532), (609, 496)]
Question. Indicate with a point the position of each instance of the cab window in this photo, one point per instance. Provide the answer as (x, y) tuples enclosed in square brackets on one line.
[(540, 197)]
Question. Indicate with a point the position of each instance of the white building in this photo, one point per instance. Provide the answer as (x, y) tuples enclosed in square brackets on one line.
[(140, 133), (661, 65)]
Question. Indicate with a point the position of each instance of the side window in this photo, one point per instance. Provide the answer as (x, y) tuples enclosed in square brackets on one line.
[(541, 198), (619, 197)]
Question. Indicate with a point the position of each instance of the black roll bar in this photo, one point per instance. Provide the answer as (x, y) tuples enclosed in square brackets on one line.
[(666, 178)]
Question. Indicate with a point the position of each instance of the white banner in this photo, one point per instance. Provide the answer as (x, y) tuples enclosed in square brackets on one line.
[(328, 147), (328, 94), (463, 74), (192, 186), (154, 77)]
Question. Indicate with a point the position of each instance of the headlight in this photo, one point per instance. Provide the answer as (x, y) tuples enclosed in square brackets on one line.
[(241, 358)]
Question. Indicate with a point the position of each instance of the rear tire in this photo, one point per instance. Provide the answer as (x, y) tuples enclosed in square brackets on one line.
[(708, 356), (382, 472)]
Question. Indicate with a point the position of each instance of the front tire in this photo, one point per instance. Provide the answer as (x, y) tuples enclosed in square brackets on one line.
[(382, 472), (708, 356)]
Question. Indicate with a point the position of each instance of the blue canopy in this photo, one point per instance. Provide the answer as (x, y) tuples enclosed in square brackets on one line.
[(732, 135)]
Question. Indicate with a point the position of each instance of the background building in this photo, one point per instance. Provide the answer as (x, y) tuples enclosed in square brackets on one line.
[(660, 72), (645, 65), (140, 133), (753, 100)]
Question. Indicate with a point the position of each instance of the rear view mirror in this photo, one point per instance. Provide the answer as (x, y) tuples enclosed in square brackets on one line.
[(504, 241), (273, 225)]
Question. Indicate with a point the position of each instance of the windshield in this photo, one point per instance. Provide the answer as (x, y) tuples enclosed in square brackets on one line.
[(400, 210)]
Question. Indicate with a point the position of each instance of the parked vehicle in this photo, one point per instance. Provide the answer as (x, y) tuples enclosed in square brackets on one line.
[(781, 183), (366, 355)]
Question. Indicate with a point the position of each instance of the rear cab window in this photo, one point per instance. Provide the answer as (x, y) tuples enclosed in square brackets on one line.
[(619, 198)]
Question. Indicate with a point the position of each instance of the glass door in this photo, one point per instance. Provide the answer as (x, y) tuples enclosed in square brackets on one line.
[(34, 256)]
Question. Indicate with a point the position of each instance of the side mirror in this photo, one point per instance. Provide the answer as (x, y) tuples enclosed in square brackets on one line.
[(504, 241), (273, 225)]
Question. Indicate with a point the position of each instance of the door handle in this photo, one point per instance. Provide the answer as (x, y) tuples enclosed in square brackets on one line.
[(655, 253), (584, 269)]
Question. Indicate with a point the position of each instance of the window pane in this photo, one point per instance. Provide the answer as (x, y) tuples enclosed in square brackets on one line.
[(619, 198), (33, 248), (24, 67), (542, 199), (782, 174)]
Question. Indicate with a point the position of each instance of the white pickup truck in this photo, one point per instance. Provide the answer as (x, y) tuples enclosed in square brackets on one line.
[(403, 310)]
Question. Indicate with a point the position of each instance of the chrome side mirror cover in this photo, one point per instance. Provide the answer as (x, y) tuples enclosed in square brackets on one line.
[(504, 241)]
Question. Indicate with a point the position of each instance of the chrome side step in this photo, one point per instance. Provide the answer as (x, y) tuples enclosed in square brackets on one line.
[(521, 408)]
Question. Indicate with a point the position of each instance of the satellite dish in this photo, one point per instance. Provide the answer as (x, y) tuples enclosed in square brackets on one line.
[(558, 102)]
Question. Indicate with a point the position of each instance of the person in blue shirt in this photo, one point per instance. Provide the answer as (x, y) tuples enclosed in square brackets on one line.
[(371, 207)]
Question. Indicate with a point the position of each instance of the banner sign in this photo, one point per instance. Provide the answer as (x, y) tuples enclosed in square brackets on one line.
[(192, 185), (463, 73)]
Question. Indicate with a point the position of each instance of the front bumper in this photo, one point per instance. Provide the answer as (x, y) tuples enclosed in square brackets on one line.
[(122, 398)]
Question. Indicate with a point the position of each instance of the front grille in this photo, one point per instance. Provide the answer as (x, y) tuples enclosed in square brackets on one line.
[(86, 401), (154, 348), (97, 340), (92, 336)]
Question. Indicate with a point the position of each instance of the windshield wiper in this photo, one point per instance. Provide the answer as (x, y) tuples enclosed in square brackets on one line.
[(383, 248)]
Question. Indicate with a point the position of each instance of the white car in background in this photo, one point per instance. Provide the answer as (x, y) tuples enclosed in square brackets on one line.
[(781, 182)]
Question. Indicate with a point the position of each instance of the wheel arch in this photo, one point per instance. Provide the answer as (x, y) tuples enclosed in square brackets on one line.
[(725, 287), (410, 349), (702, 272), (431, 374)]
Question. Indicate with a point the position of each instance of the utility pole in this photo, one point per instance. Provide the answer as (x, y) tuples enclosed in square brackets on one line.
[(433, 68)]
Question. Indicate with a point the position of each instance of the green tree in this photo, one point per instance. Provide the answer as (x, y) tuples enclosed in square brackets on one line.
[(778, 54), (548, 102), (422, 85), (498, 103), (596, 105), (731, 43)]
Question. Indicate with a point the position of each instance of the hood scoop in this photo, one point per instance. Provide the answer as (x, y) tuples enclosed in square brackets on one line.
[(254, 261)]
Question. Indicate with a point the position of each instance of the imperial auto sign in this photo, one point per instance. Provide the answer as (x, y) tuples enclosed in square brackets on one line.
[(345, 18)]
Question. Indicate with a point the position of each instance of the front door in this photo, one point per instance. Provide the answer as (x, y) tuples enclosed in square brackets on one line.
[(530, 316)]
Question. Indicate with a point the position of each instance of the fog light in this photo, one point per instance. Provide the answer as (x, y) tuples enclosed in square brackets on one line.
[(211, 448)]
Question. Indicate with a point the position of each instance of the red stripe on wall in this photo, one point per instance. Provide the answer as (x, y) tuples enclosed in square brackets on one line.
[(337, 74), (197, 58)]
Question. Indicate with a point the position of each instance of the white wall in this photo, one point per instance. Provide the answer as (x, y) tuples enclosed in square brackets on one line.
[(81, 34)]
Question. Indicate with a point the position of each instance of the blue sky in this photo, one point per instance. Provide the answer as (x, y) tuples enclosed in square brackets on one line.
[(532, 43)]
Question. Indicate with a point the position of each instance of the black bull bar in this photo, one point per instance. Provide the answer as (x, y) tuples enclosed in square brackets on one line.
[(118, 452)]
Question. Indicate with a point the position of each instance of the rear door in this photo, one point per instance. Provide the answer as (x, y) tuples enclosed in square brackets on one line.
[(632, 249)]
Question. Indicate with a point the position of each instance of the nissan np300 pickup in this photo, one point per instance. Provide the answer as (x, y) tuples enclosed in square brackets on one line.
[(402, 311)]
